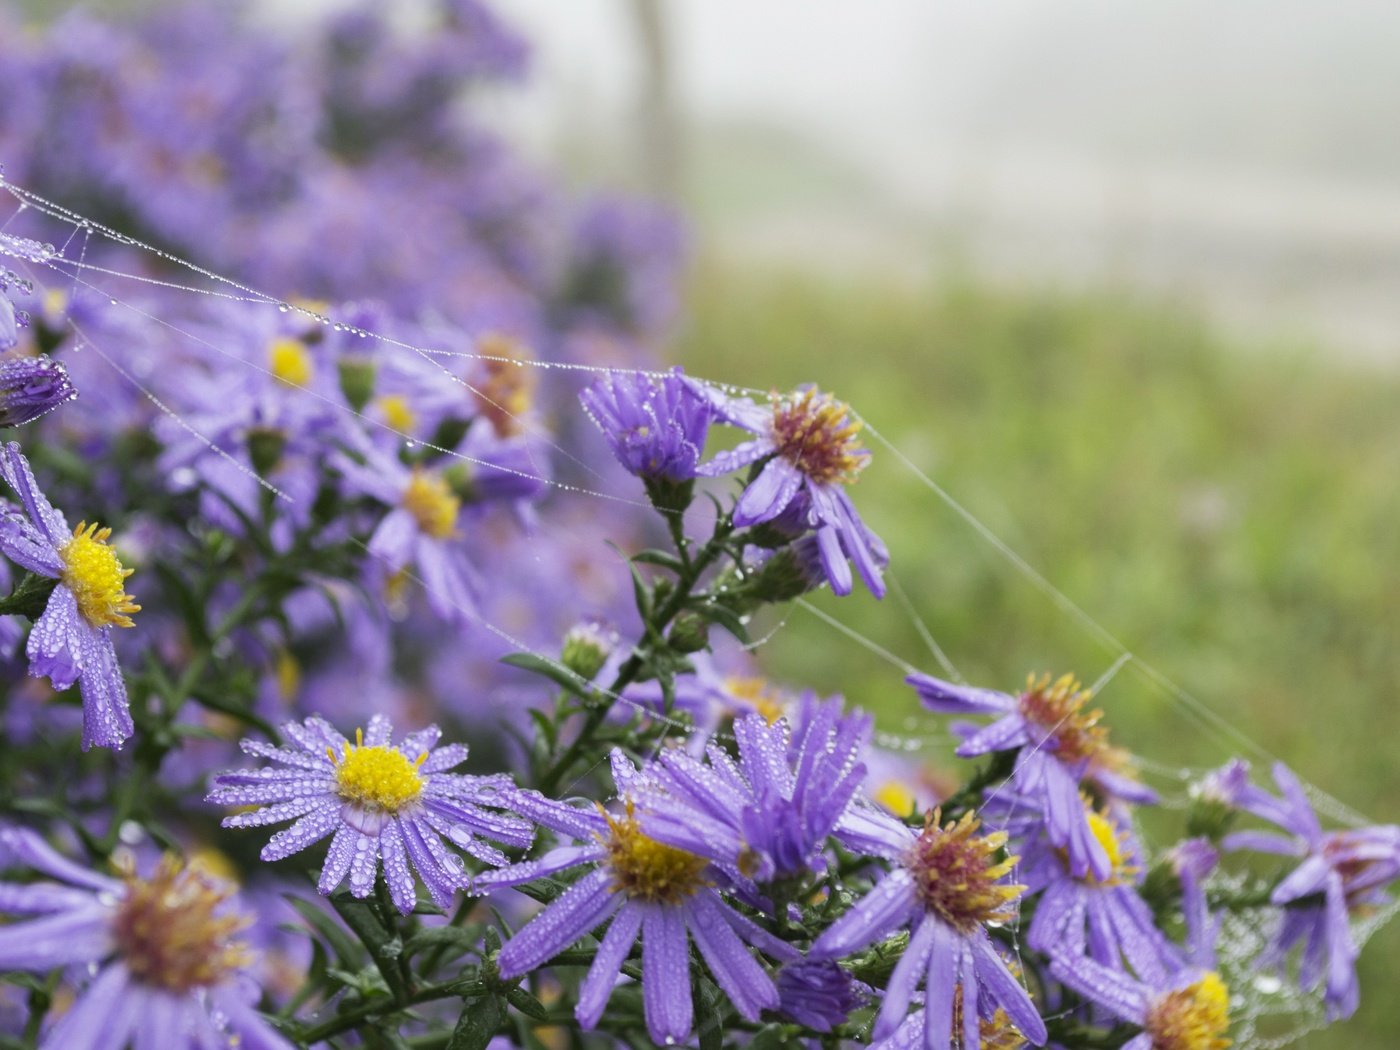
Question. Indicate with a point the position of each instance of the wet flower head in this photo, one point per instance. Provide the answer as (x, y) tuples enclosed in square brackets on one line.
[(816, 434), (506, 389), (290, 361), (648, 870), (1058, 708), (431, 502), (173, 932), (956, 875), (1192, 1018), (92, 571), (377, 777)]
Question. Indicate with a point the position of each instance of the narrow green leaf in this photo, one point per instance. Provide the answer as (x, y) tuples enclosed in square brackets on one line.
[(477, 1026), (547, 668)]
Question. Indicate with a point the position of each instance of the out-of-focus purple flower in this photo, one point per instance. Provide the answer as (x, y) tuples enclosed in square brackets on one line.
[(810, 443), (72, 640), (420, 530), (31, 387), (665, 894), (624, 265), (946, 887), (385, 801), (1341, 871), (170, 968), (1189, 1008), (1059, 742), (1103, 918), (818, 993), (768, 815), (655, 425), (1193, 860)]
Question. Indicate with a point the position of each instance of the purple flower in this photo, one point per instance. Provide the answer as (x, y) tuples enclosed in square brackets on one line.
[(809, 447), (655, 425), (382, 801), (768, 815), (818, 993), (1341, 871), (645, 887), (170, 969), (1059, 744), (72, 640), (1189, 1008), (31, 387), (420, 531), (946, 887)]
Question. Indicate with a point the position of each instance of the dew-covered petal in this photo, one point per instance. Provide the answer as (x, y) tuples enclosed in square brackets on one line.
[(64, 938), (55, 645), (307, 831), (30, 848), (906, 976), (768, 495), (94, 1020), (607, 963), (734, 969), (666, 973), (49, 521), (881, 912), (106, 715), (580, 909), (397, 875)]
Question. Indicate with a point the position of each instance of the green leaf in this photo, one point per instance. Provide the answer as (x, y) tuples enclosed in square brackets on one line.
[(711, 1016), (478, 1024), (345, 948), (441, 937), (526, 1003), (665, 559), (547, 668)]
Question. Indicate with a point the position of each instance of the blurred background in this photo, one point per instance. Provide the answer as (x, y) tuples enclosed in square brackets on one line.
[(1120, 278)]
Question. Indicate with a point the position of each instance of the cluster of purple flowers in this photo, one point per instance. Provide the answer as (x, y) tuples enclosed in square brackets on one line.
[(347, 507)]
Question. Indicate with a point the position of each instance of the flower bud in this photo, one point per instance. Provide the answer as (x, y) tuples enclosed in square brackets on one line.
[(31, 387)]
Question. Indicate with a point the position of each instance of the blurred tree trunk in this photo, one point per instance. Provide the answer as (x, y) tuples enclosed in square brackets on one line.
[(658, 133)]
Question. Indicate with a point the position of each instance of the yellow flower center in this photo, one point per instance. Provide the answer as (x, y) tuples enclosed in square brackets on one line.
[(506, 390), (377, 777), (815, 433), (646, 869), (895, 796), (955, 875), (432, 504), (94, 575), (290, 361), (397, 413), (171, 932), (1192, 1018), (759, 694)]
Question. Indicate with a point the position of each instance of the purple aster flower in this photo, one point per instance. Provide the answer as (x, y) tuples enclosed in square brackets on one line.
[(420, 529), (31, 387), (382, 801), (818, 993), (1104, 918), (946, 887), (665, 894), (767, 815), (1341, 872), (72, 640), (655, 425), (170, 969), (1189, 1008), (809, 447), (1059, 744)]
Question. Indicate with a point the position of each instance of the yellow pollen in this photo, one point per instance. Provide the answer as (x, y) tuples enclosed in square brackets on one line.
[(171, 932), (816, 434), (432, 504), (397, 413), (648, 870), (506, 391), (1111, 839), (377, 777), (759, 694), (1192, 1018), (290, 361), (1059, 709), (955, 875), (897, 797), (94, 575)]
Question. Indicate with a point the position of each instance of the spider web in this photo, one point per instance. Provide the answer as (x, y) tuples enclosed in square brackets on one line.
[(1267, 1010)]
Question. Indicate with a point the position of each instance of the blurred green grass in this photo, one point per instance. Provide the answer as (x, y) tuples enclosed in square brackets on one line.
[(1230, 512)]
